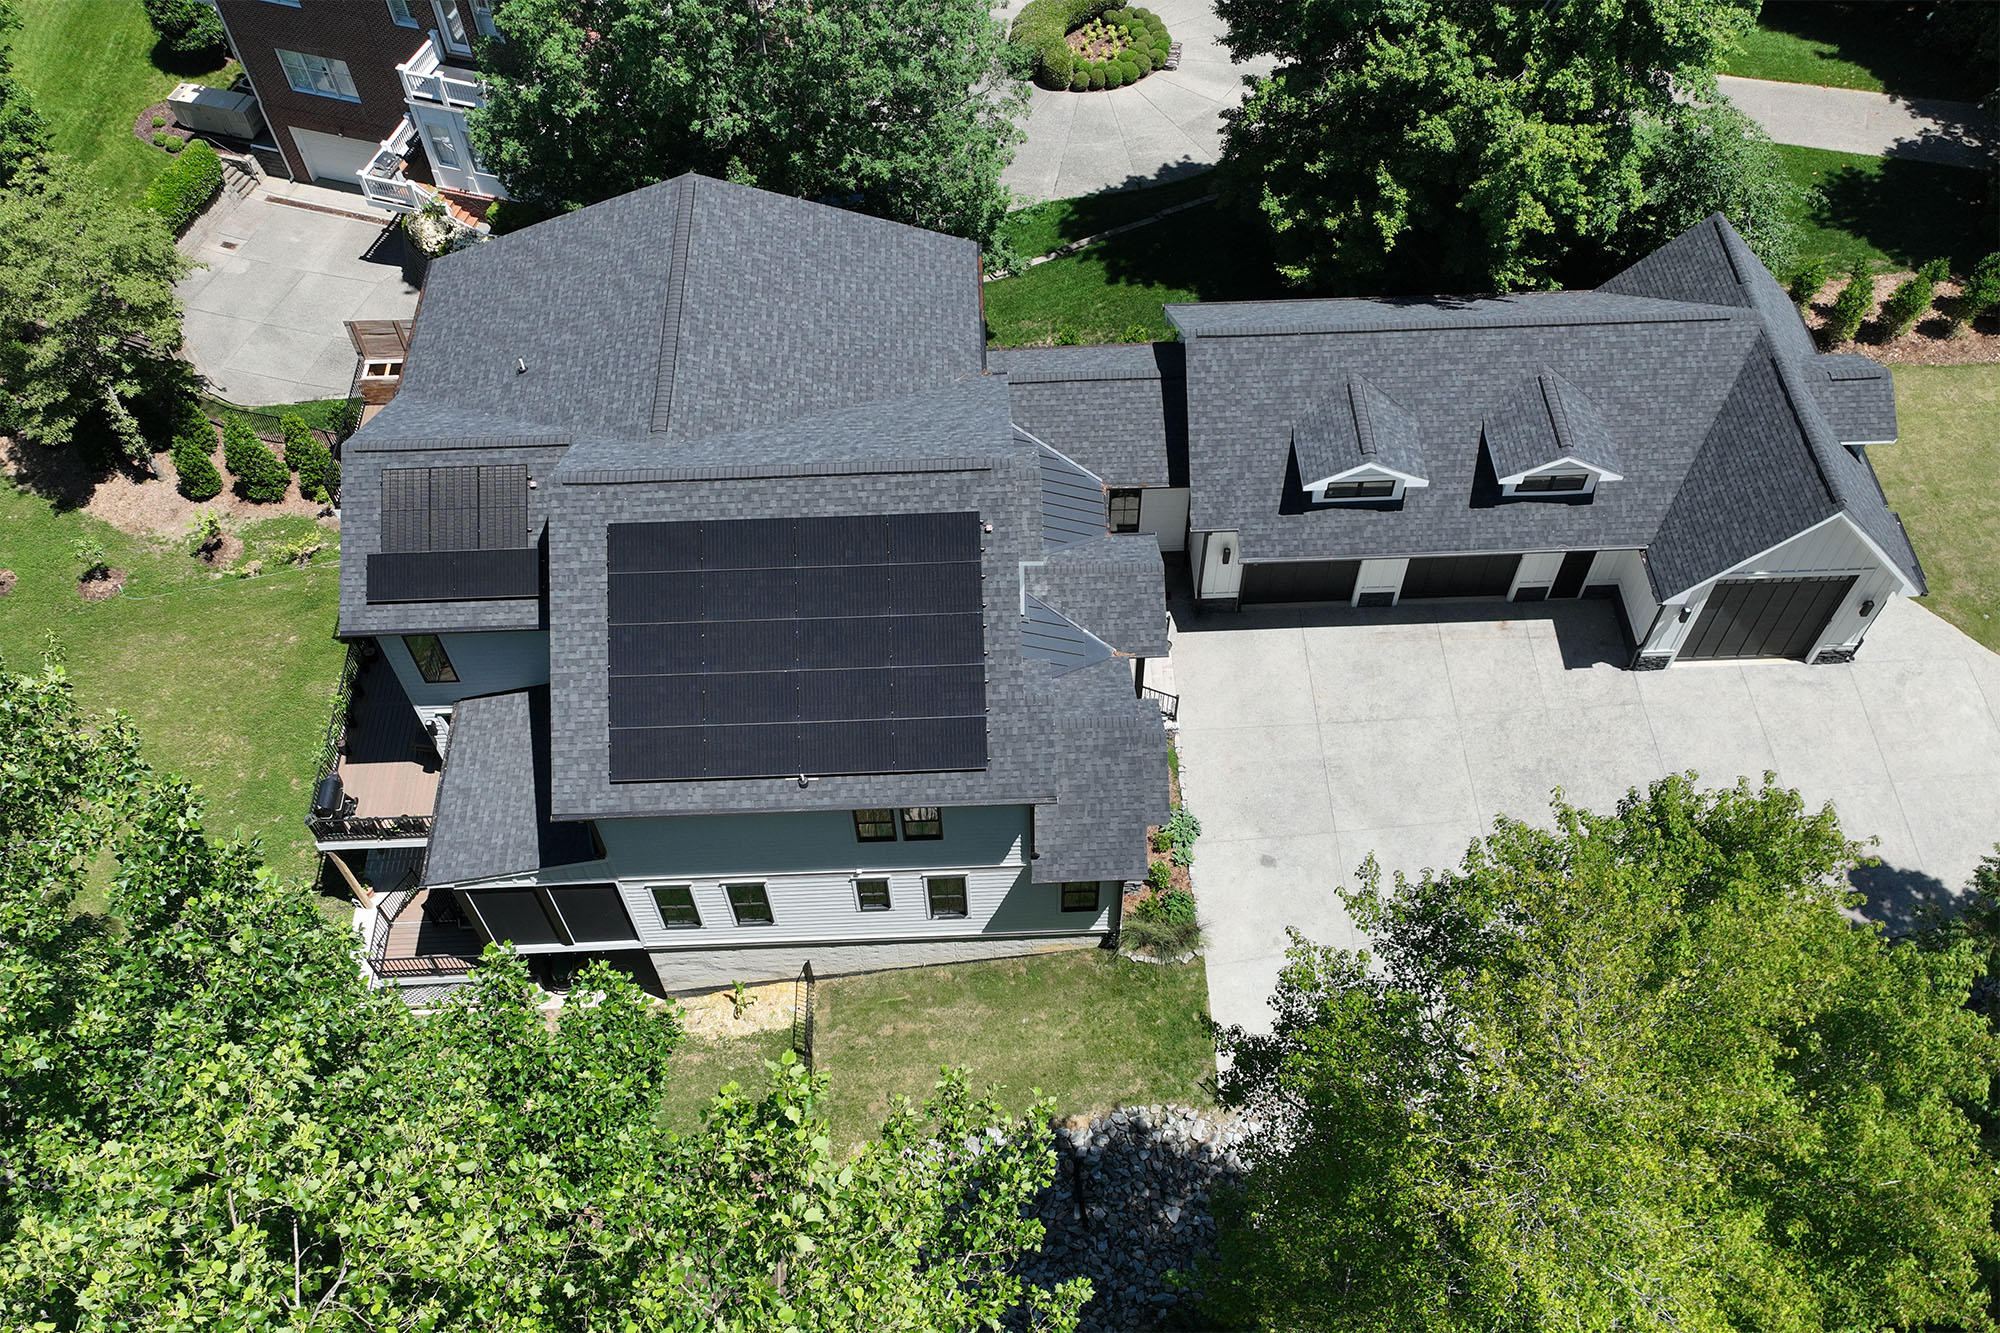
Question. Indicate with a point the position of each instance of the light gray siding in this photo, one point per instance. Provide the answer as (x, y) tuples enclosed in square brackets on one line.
[(486, 663), (1163, 512)]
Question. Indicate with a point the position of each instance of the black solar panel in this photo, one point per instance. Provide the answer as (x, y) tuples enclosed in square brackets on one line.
[(454, 508), (774, 647), (454, 576)]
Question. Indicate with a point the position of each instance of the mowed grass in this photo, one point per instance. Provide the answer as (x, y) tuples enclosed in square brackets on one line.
[(1867, 46), (1040, 228), (1890, 213), (91, 68), (229, 681), (1090, 1029), (1939, 475)]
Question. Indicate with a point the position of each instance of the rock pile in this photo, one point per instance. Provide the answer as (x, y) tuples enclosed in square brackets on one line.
[(1129, 1209)]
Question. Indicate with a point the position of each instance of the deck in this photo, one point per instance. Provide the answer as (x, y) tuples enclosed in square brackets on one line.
[(387, 764), (416, 937)]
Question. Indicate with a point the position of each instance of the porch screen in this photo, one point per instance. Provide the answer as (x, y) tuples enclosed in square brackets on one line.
[(595, 914), (516, 916)]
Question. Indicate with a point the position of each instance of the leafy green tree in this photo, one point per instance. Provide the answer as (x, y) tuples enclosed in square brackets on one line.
[(1699, 160), (187, 27), (1458, 143), (208, 1121), (24, 135), (88, 317), (1637, 1071), (899, 108)]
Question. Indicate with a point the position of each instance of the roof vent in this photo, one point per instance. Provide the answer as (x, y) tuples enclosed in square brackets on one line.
[(520, 365)]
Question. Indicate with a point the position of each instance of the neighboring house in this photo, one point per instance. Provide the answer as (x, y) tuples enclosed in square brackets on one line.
[(701, 545), (1672, 440), (369, 92)]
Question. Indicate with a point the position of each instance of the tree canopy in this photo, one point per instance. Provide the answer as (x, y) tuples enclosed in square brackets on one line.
[(897, 108), (1459, 144), (207, 1121), (1641, 1070), (24, 135)]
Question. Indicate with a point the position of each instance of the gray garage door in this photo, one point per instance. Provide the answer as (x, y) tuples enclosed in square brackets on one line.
[(1765, 617), (1459, 576), (1300, 581)]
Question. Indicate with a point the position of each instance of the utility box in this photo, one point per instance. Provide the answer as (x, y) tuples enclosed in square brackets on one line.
[(216, 111)]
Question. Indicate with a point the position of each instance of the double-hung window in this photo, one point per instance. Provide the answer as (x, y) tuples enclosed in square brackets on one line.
[(319, 75), (922, 823), (947, 895), (676, 904), (400, 11), (874, 825), (433, 664), (749, 903)]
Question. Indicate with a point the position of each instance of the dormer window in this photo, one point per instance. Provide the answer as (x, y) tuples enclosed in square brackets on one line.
[(1359, 490), (1553, 481), (1359, 448), (1546, 439)]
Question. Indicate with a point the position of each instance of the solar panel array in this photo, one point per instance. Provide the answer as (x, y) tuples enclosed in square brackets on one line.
[(778, 647), (454, 534)]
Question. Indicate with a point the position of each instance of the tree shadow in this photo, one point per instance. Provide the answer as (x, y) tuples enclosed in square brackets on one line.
[(1886, 39), (1899, 899), (1913, 211)]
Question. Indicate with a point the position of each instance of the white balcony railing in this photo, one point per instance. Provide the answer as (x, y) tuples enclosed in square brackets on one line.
[(426, 79), (382, 180)]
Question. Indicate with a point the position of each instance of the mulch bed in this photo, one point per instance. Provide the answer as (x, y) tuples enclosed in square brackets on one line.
[(97, 590), (143, 128), (222, 552), (1928, 344)]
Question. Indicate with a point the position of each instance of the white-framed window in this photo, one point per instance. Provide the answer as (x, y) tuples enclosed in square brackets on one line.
[(676, 905), (1079, 896), (946, 894), (318, 75), (750, 905), (288, 4), (400, 11), (1553, 483), (1361, 485), (1373, 489), (871, 893), (1124, 510)]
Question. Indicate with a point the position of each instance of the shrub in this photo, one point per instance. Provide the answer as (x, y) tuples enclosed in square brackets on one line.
[(194, 443), (1164, 925), (319, 475), (1183, 828), (1143, 63), (260, 477), (1134, 333), (1912, 297), (1806, 282), (181, 191), (298, 439), (1980, 294), (1851, 307), (174, 145), (204, 529), (89, 553), (1160, 876), (346, 419), (1114, 77), (1079, 82), (158, 121), (1042, 29), (187, 27), (1096, 77)]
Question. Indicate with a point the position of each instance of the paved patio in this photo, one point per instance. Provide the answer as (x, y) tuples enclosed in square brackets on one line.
[(1312, 737), (265, 320)]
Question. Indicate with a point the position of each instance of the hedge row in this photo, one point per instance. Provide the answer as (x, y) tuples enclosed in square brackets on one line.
[(1147, 53), (1042, 27), (305, 455), (187, 186), (260, 477), (194, 443)]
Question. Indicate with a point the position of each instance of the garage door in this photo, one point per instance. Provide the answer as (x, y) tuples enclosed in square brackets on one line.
[(1459, 576), (1765, 617), (330, 157), (1300, 581)]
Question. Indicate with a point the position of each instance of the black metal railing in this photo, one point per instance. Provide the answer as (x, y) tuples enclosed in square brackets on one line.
[(1170, 704), (804, 992), (368, 828), (390, 909)]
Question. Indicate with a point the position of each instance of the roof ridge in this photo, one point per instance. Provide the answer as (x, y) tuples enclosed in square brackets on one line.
[(1364, 424), (1552, 402), (1779, 366), (670, 320)]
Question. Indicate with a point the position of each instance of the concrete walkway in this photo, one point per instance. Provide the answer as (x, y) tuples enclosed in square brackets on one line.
[(1874, 124), (266, 319), (1158, 129), (1313, 737)]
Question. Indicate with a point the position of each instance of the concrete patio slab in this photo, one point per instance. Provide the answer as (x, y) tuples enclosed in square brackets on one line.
[(1905, 742)]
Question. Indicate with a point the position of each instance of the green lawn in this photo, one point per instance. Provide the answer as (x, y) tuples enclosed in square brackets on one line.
[(1891, 213), (1867, 46), (1939, 475), (1040, 228), (1088, 1028), (91, 67), (228, 680)]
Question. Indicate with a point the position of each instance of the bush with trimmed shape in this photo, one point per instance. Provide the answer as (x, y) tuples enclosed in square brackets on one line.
[(1851, 307), (1980, 295), (192, 451), (1096, 77), (183, 190), (1806, 282), (260, 477), (1041, 35), (1912, 297)]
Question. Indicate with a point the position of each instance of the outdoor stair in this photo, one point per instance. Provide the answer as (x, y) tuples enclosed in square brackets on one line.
[(464, 215), (236, 181)]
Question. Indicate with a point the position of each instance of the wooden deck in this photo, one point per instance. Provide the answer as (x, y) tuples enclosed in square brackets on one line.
[(416, 944), (389, 767)]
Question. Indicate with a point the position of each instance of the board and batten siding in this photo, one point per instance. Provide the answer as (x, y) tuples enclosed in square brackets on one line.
[(1832, 549), (808, 863), (492, 662), (1536, 570), (1163, 512), (1626, 570)]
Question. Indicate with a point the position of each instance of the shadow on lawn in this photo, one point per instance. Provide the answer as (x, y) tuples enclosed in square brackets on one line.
[(1887, 40), (1913, 211)]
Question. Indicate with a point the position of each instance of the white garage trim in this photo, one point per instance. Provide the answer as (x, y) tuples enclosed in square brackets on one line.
[(332, 157)]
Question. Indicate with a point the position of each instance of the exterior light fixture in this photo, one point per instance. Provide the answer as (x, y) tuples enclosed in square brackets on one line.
[(1226, 553), (1867, 606), (1686, 613)]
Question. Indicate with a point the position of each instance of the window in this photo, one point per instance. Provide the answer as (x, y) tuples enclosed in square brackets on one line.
[(482, 18), (382, 370), (923, 823), (676, 904), (1556, 481), (427, 650), (318, 75), (594, 914), (749, 904), (872, 894), (947, 895), (1124, 511), (1360, 490), (874, 825), (1079, 896), (399, 10)]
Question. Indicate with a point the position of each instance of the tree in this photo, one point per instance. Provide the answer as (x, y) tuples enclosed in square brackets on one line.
[(88, 317), (1638, 1071), (1851, 306), (187, 27), (208, 1121), (897, 108), (260, 477), (1699, 160), (24, 135), (1454, 144)]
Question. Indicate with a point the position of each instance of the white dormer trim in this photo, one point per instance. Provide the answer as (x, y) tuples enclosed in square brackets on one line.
[(1400, 481), (1592, 474)]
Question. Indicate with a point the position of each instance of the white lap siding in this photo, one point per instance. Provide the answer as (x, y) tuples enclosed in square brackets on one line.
[(808, 863)]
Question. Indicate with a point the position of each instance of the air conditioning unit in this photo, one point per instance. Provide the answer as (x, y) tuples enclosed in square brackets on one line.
[(216, 111)]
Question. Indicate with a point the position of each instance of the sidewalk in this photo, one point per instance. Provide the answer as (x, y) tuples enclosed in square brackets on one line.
[(1874, 124)]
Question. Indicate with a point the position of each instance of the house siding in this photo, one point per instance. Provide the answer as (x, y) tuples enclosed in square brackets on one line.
[(1832, 549), (490, 663), (1163, 512)]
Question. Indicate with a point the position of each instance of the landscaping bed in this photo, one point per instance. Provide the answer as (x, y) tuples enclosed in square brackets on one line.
[(1089, 45)]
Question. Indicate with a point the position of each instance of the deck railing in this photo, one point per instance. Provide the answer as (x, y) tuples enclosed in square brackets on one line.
[(391, 907), (425, 79), (382, 180), (1170, 704)]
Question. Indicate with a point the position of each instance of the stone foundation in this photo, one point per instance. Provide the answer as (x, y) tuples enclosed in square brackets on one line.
[(689, 971)]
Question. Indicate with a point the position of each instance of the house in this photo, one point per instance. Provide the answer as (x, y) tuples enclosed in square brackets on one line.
[(1673, 441), (369, 92), (709, 603)]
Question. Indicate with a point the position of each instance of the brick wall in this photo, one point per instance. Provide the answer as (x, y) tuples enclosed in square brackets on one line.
[(360, 32)]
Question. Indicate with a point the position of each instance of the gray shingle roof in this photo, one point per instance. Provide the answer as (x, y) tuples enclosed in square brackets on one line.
[(1118, 411), (492, 814), (1547, 418), (1048, 636), (1710, 264), (1857, 396), (1113, 586), (1361, 424), (1111, 765)]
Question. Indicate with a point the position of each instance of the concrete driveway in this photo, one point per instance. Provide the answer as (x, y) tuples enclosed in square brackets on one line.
[(1312, 737), (265, 321)]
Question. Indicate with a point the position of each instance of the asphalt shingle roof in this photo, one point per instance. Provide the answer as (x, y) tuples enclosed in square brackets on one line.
[(1118, 411), (1113, 586), (1112, 771), (1360, 424), (1857, 397), (492, 814), (1545, 419)]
